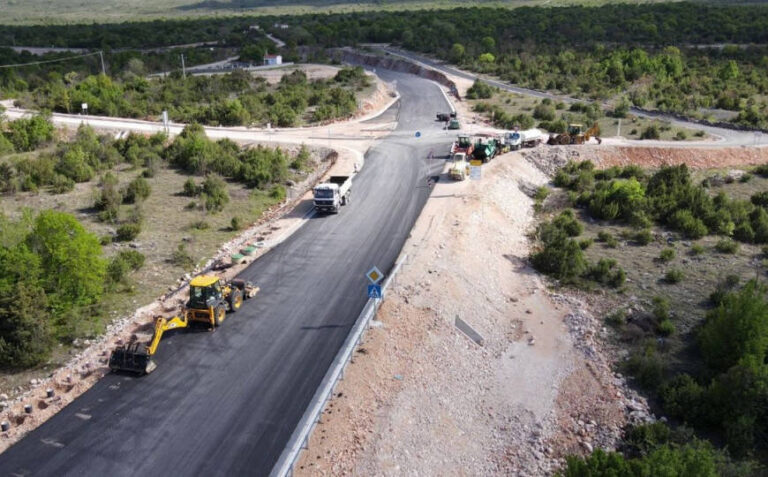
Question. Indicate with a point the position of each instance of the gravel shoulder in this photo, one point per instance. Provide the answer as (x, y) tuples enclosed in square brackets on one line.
[(421, 398)]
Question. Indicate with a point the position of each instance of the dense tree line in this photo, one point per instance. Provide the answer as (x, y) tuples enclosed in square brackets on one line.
[(142, 34), (638, 52), (237, 98), (497, 30)]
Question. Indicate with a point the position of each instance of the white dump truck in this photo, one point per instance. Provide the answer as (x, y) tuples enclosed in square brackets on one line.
[(527, 138), (331, 195)]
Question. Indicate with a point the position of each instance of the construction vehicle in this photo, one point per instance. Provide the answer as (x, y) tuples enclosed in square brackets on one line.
[(209, 300), (331, 195), (576, 135), (462, 144), (459, 169), (527, 138), (445, 117), (485, 149)]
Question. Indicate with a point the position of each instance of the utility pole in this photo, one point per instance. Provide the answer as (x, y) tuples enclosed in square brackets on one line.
[(183, 68), (103, 69), (618, 131)]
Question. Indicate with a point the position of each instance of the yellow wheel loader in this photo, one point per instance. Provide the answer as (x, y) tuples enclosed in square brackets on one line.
[(209, 300), (576, 135)]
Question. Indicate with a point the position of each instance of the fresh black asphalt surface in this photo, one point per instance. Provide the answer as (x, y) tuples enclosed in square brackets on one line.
[(226, 402)]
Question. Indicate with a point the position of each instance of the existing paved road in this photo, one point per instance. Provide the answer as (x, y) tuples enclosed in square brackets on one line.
[(726, 137), (225, 403)]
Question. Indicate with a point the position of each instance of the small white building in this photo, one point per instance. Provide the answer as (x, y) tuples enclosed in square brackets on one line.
[(273, 60)]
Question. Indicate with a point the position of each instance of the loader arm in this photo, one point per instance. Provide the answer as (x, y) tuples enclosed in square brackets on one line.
[(161, 326)]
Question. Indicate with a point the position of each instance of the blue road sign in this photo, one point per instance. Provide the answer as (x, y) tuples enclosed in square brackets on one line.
[(418, 133), (374, 291)]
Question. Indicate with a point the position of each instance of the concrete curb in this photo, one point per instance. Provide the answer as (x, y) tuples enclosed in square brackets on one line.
[(300, 437)]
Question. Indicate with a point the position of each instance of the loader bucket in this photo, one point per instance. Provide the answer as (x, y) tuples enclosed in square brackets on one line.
[(131, 358)]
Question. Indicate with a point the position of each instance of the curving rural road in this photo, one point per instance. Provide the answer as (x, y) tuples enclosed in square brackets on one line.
[(225, 403), (724, 137)]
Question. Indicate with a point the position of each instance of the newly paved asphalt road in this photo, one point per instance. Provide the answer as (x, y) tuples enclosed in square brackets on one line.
[(225, 403)]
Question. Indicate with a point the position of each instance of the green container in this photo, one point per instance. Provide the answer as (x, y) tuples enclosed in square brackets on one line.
[(237, 258), (248, 250)]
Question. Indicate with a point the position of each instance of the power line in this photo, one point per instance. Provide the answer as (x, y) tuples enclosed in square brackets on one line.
[(53, 61)]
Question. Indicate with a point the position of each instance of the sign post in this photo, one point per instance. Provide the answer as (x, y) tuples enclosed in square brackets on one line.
[(374, 275)]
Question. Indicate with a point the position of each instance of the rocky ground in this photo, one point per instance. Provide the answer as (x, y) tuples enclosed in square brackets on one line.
[(422, 398)]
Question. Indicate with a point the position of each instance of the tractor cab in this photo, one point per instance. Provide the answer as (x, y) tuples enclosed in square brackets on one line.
[(464, 142), (575, 130), (204, 291)]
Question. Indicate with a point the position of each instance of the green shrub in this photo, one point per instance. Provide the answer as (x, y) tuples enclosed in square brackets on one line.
[(727, 246), (738, 327), (643, 237), (277, 192), (62, 184), (667, 255), (646, 366), (480, 90), (606, 272), (541, 194), (665, 328), (182, 258), (585, 243), (697, 249), (746, 177), (761, 170), (235, 224), (674, 275), (651, 132), (137, 190), (214, 190), (200, 225), (128, 232), (607, 238), (190, 188), (690, 226)]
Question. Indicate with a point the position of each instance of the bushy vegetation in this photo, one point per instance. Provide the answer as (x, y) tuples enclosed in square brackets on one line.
[(670, 198), (560, 255), (656, 449), (729, 394), (233, 99), (52, 274)]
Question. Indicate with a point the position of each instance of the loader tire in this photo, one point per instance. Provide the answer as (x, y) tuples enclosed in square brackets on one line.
[(220, 313), (235, 299)]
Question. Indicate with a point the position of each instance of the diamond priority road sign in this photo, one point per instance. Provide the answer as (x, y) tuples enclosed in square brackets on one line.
[(374, 275)]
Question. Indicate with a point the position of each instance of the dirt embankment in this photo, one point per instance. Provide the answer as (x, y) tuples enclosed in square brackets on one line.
[(422, 398), (391, 63), (551, 158)]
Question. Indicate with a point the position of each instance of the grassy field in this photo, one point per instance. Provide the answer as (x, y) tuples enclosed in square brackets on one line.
[(631, 127), (105, 11)]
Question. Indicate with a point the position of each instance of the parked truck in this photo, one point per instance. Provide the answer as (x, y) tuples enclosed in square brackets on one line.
[(527, 138), (331, 195)]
